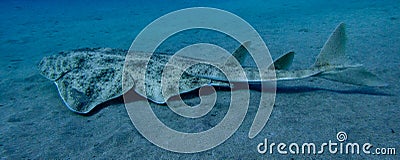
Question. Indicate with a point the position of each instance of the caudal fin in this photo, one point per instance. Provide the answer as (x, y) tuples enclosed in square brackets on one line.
[(356, 76), (338, 66)]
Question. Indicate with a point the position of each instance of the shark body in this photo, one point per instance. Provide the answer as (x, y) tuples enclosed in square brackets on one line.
[(86, 78)]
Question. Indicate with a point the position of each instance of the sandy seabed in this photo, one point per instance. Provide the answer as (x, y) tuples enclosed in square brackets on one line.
[(35, 124)]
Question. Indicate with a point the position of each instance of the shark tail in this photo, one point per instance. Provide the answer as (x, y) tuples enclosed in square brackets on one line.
[(338, 66)]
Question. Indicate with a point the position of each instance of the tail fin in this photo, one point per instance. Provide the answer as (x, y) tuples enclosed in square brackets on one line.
[(356, 76), (333, 57)]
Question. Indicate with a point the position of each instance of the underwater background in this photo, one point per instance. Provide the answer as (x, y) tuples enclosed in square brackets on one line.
[(35, 124)]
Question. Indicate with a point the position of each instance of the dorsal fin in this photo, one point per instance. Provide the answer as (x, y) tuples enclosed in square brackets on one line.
[(241, 52), (284, 62), (333, 52)]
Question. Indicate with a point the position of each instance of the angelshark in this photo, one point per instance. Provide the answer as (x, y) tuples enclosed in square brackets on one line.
[(87, 77)]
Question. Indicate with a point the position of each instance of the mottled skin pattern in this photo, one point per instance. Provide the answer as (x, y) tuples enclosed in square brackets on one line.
[(87, 77), (135, 66)]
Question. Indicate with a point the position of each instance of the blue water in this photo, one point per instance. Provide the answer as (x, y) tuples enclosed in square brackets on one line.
[(35, 124)]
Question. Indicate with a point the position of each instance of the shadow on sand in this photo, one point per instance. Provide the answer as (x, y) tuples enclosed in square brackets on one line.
[(280, 90)]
